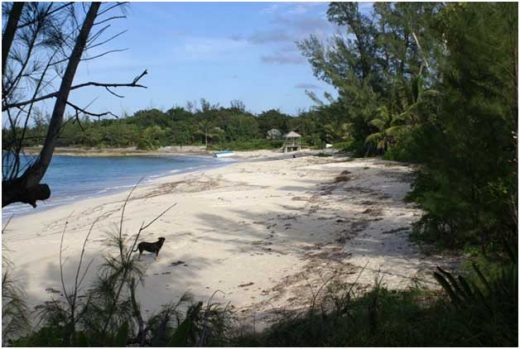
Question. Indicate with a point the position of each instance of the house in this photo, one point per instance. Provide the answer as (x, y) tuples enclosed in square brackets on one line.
[(274, 133)]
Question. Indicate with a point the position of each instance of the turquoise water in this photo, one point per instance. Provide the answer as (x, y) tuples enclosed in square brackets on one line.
[(72, 178)]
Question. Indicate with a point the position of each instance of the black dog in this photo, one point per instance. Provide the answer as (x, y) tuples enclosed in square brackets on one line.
[(153, 247)]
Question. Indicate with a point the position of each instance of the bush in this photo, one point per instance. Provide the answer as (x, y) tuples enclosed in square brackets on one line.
[(415, 317)]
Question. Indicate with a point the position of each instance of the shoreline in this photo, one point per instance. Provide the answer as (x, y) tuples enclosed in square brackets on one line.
[(145, 180), (239, 156), (194, 151), (130, 151), (258, 231)]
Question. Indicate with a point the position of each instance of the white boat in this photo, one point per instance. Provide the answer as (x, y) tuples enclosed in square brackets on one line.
[(224, 153)]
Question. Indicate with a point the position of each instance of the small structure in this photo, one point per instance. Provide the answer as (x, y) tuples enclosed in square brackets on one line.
[(293, 142), (274, 134)]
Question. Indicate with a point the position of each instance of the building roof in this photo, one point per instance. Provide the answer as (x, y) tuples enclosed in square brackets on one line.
[(292, 134)]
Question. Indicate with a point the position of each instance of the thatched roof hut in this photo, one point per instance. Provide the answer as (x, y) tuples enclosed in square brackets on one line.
[(292, 134), (293, 142)]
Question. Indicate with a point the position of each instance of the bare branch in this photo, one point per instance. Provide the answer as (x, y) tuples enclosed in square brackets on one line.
[(112, 7), (113, 93), (159, 216), (97, 115), (134, 83), (98, 33), (104, 54), (109, 19), (76, 117), (107, 40)]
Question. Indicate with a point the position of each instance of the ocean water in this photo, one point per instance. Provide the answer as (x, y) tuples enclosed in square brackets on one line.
[(73, 178)]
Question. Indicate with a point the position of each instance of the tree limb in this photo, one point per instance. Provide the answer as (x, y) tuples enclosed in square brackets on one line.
[(97, 115), (10, 31), (90, 83)]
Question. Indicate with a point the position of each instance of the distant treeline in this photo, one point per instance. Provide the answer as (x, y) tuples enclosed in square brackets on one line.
[(211, 125)]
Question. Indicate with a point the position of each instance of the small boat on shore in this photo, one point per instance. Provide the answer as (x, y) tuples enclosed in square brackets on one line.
[(224, 153)]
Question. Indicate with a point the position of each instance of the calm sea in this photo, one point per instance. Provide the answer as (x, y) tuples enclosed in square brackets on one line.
[(72, 178)]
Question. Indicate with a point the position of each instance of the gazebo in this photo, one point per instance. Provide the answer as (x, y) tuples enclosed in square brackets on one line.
[(293, 142)]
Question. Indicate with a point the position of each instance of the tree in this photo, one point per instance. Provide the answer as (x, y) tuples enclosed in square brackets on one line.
[(60, 32), (437, 84), (468, 183), (380, 64), (270, 119), (238, 106)]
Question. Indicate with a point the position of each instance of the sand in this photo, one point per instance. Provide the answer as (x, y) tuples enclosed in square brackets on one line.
[(264, 233)]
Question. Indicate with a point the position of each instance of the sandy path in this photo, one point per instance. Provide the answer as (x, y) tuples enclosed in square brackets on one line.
[(263, 233)]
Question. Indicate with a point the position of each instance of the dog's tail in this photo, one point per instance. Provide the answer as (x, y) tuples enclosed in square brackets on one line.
[(135, 249)]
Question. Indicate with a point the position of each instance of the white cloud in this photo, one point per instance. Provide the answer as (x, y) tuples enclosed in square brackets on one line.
[(280, 57), (211, 47)]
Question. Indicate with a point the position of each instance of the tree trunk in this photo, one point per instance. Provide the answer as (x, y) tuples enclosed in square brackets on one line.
[(27, 188), (10, 31)]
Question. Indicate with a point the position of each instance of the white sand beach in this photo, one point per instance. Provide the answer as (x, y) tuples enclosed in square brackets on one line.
[(266, 233)]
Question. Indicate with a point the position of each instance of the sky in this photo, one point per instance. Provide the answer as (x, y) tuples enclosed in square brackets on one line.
[(217, 51)]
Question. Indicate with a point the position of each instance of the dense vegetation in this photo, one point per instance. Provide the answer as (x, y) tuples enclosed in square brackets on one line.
[(435, 84), (475, 316), (430, 83), (209, 125)]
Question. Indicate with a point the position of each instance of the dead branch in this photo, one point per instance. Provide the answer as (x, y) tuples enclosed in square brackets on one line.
[(81, 110), (134, 83), (104, 54)]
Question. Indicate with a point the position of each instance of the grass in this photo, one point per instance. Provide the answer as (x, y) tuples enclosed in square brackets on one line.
[(380, 317), (413, 317)]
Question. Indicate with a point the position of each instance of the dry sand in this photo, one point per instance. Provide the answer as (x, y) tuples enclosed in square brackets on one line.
[(266, 233)]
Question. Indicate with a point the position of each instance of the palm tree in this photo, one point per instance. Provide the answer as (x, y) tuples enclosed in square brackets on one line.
[(398, 119)]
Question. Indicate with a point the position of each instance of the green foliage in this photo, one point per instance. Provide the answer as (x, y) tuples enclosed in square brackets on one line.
[(434, 84), (480, 316), (15, 320), (468, 184), (273, 119), (248, 145), (150, 129)]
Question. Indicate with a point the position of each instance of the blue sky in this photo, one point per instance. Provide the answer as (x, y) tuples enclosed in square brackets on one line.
[(219, 51)]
